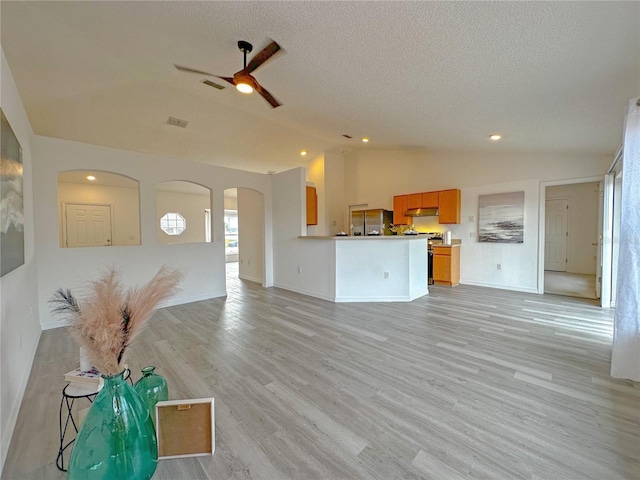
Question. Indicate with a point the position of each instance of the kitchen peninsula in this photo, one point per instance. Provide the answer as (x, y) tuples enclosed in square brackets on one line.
[(388, 268)]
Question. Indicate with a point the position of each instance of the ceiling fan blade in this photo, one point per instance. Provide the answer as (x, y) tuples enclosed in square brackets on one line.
[(193, 70), (267, 96), (226, 79), (265, 54)]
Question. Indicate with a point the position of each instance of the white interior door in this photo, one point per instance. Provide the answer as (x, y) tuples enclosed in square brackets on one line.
[(88, 225), (555, 245)]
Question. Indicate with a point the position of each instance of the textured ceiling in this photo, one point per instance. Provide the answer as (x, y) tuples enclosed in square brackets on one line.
[(549, 76)]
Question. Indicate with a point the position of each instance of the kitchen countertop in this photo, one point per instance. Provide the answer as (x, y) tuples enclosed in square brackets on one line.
[(454, 243)]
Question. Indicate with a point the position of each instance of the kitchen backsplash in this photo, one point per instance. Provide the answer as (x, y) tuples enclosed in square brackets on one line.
[(428, 224)]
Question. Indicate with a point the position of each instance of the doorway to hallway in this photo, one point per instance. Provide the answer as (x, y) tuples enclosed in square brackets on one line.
[(570, 284), (571, 239)]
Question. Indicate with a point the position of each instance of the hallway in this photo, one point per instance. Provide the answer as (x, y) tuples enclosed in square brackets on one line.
[(570, 284)]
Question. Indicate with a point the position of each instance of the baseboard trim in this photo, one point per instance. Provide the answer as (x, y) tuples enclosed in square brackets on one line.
[(196, 298), (329, 298), (501, 287), (171, 303), (54, 324), (304, 292), (250, 279), (375, 300), (15, 407)]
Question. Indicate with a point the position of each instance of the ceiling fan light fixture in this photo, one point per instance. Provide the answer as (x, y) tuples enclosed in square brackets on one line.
[(244, 82), (244, 87)]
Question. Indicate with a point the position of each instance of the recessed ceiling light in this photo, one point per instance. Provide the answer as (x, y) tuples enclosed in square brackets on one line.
[(91, 178), (303, 153), (365, 140), (495, 137)]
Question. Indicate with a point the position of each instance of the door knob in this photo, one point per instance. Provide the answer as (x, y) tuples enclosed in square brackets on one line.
[(594, 244)]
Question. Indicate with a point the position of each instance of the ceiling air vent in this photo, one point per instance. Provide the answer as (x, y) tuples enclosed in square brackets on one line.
[(176, 122), (213, 84)]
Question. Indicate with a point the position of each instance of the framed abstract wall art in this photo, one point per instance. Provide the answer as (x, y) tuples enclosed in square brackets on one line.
[(11, 200), (501, 218)]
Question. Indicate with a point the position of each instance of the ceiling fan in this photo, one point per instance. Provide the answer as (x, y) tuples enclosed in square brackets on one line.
[(243, 80)]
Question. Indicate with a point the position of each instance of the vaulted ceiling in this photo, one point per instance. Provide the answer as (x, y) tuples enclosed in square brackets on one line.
[(548, 76)]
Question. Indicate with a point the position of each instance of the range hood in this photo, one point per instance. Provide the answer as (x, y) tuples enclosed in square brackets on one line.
[(422, 212)]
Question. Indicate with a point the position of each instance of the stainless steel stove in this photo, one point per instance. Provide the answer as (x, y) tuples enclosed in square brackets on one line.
[(433, 238)]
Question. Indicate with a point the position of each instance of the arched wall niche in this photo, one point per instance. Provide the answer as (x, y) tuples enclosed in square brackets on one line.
[(97, 209), (183, 212)]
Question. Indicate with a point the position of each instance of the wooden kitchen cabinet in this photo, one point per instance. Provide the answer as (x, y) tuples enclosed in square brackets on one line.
[(446, 201), (430, 199), (446, 265), (400, 206), (449, 206), (414, 200), (312, 206)]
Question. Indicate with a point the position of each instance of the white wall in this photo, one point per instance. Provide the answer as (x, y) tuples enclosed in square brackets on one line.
[(316, 176), (326, 173), (374, 177), (19, 326), (361, 263), (518, 261), (230, 203), (125, 208), (582, 224), (203, 263), (336, 210), (251, 235), (191, 206), (292, 253)]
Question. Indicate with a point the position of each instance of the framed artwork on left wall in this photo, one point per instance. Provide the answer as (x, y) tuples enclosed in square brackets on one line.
[(11, 200)]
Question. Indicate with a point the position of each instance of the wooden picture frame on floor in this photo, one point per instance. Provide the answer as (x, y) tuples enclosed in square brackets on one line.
[(185, 428)]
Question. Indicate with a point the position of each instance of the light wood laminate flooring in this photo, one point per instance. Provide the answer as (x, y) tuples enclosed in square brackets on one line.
[(467, 382)]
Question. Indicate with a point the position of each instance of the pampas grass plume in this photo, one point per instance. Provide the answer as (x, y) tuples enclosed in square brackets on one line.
[(110, 317)]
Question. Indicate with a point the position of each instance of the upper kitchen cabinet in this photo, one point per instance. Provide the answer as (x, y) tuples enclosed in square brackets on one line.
[(449, 206), (429, 200), (414, 200), (400, 206), (312, 206)]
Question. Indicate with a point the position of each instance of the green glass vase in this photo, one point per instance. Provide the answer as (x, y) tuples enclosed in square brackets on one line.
[(152, 389), (117, 440)]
